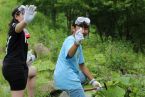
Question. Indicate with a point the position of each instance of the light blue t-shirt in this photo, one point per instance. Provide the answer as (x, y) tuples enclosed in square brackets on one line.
[(66, 74)]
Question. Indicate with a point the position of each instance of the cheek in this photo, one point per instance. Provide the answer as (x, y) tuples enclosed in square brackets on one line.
[(86, 31), (22, 16)]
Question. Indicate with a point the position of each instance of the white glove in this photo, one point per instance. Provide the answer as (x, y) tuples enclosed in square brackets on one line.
[(79, 36), (95, 83), (30, 58), (29, 13)]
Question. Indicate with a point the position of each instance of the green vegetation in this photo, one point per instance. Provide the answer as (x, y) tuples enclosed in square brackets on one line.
[(112, 60)]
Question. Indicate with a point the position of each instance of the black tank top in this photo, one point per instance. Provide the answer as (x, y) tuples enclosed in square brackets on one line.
[(17, 47)]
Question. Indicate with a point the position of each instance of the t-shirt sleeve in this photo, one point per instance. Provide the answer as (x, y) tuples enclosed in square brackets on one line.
[(68, 44), (81, 58)]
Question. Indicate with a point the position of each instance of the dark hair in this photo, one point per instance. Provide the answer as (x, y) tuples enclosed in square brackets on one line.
[(14, 12), (73, 23)]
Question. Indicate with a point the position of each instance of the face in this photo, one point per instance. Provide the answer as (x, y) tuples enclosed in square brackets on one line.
[(72, 29), (85, 30), (19, 17)]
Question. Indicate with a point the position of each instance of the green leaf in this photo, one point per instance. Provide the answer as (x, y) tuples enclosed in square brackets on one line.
[(113, 92)]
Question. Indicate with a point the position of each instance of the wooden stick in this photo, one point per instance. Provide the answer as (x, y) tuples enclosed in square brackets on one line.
[(90, 89)]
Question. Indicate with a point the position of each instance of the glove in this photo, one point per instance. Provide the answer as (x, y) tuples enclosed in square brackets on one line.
[(30, 58), (29, 13), (79, 36), (95, 83)]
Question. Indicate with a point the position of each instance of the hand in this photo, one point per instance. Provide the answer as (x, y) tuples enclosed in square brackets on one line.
[(29, 13), (95, 83), (30, 58), (79, 36)]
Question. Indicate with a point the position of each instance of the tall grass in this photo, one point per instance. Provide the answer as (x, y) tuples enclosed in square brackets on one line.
[(104, 59)]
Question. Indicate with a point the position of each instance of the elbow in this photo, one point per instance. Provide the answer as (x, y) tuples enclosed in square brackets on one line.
[(18, 30), (68, 56)]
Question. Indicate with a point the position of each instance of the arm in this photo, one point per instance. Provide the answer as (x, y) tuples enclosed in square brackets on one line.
[(78, 38), (20, 26), (86, 71), (72, 50), (28, 17)]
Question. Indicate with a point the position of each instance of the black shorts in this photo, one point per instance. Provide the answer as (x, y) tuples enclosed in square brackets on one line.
[(16, 75)]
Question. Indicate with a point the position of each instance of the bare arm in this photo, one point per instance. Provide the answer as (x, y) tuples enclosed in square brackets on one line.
[(86, 71), (73, 50), (20, 26)]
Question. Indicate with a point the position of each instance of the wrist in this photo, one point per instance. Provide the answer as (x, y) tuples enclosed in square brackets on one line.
[(76, 44), (92, 81), (25, 21)]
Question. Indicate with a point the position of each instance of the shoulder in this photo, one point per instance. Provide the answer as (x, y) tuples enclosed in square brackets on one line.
[(13, 25), (70, 38)]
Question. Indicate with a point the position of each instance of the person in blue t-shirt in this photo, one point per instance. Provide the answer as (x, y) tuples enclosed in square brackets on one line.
[(70, 62)]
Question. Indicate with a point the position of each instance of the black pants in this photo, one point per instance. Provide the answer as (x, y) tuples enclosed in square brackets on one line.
[(16, 74)]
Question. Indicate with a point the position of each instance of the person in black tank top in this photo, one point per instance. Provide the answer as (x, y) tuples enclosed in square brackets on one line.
[(15, 69)]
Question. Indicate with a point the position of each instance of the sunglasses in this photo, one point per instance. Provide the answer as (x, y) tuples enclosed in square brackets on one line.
[(84, 26), (22, 11)]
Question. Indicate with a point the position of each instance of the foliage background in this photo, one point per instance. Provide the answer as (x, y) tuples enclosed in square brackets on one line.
[(114, 50)]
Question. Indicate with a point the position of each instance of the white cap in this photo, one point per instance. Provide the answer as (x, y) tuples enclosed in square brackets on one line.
[(81, 20)]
